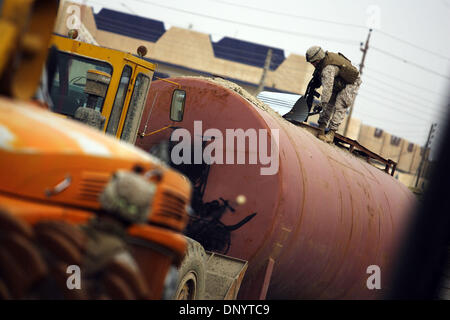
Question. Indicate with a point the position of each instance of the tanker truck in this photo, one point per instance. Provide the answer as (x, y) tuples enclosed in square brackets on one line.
[(311, 219)]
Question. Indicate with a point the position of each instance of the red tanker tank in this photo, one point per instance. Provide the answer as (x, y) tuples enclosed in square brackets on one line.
[(322, 218)]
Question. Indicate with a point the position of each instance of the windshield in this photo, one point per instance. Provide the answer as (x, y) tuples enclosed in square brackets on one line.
[(67, 90), (116, 112), (135, 108)]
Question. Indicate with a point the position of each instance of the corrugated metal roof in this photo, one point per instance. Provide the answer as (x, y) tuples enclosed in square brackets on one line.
[(129, 25), (280, 102), (247, 52)]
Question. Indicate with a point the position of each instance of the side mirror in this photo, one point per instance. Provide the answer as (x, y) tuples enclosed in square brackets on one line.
[(177, 106)]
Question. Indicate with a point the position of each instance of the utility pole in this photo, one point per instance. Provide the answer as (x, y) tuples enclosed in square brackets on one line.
[(361, 67), (425, 152), (266, 68)]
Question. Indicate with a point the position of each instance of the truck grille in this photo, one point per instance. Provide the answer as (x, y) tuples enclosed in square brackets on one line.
[(169, 211), (92, 185)]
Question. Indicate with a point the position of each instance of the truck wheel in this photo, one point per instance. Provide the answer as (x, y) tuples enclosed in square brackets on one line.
[(34, 262), (192, 273)]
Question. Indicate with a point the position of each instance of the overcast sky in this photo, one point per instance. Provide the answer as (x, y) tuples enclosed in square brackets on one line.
[(403, 98)]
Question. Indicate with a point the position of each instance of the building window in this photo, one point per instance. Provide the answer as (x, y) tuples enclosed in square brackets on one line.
[(378, 133), (395, 141), (410, 147)]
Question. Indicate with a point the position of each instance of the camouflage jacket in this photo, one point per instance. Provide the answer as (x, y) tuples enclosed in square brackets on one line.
[(330, 82)]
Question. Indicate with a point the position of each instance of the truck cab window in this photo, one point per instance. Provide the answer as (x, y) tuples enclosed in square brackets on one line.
[(135, 108), (116, 112), (67, 90)]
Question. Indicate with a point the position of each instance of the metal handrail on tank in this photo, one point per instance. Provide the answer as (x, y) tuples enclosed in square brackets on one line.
[(357, 149)]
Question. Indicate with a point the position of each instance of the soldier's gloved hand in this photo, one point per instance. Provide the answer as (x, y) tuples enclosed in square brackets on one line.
[(318, 108)]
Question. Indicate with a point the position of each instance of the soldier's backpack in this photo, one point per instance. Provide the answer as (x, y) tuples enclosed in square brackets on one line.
[(348, 72)]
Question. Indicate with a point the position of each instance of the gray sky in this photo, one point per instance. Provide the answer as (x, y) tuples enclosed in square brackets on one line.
[(396, 96)]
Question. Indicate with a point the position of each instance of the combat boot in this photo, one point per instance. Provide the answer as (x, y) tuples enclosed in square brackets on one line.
[(322, 128), (328, 138)]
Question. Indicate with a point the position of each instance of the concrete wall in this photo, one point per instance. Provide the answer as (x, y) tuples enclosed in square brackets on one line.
[(354, 128), (410, 180), (417, 157), (407, 156), (407, 161), (390, 150), (368, 139)]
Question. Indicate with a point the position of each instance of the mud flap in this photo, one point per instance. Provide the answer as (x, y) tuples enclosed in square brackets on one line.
[(256, 288), (224, 276)]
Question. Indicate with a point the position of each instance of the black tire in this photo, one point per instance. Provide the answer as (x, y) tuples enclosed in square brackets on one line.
[(192, 273), (34, 261), (444, 285)]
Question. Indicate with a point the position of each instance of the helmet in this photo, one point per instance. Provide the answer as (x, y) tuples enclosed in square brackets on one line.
[(315, 53)]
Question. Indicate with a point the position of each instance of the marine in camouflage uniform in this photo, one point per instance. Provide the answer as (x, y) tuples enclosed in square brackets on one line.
[(340, 83)]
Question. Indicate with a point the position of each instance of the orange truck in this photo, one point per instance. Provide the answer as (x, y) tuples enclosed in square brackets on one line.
[(53, 171)]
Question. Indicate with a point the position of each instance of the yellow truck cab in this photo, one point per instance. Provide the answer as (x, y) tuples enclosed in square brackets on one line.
[(126, 92)]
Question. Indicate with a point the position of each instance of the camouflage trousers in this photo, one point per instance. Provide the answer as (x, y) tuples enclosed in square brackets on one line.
[(334, 111)]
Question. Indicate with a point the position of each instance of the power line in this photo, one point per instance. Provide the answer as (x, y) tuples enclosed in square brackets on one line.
[(413, 132), (361, 67), (383, 119), (399, 89), (403, 97), (283, 31), (406, 82), (286, 14), (383, 104), (400, 105), (411, 63), (416, 111), (128, 8), (413, 45)]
